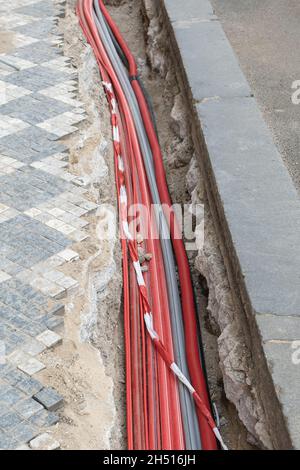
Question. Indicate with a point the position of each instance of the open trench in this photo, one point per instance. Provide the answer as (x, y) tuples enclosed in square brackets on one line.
[(88, 368), (140, 25)]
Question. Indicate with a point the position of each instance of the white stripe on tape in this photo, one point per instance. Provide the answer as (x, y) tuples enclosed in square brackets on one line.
[(120, 163), (126, 230), (220, 439), (182, 377), (149, 324), (123, 195), (139, 274), (113, 106), (116, 136), (108, 86)]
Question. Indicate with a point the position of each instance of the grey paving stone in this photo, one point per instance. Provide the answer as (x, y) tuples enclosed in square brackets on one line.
[(278, 328), (37, 29), (23, 433), (29, 385), (30, 145), (286, 378), (44, 441), (4, 368), (21, 322), (12, 376), (39, 9), (13, 268), (22, 381), (37, 191), (49, 398), (33, 347), (26, 363), (9, 420), (34, 328), (41, 52), (3, 410), (34, 108), (30, 244), (9, 395), (7, 441), (24, 242), (194, 10), (53, 322), (212, 69), (28, 408), (264, 220), (37, 78), (44, 418), (58, 309)]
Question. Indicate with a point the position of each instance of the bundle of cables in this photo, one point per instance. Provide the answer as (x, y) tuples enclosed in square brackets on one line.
[(167, 400)]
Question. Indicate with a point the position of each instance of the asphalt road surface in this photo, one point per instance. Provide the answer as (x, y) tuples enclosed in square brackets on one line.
[(265, 35)]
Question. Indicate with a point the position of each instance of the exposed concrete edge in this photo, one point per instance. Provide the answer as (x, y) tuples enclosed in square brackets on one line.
[(254, 205)]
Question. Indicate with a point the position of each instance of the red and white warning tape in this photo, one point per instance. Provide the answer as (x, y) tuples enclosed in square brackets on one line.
[(122, 196)]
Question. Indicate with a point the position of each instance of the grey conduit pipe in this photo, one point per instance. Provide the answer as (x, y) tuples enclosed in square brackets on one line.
[(189, 418)]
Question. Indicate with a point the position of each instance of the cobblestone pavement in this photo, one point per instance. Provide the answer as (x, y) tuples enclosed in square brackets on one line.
[(41, 209)]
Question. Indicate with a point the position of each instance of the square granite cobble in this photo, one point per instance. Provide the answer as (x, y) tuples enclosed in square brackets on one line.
[(36, 29), (42, 9), (31, 144), (9, 420), (36, 78), (27, 408), (41, 52), (34, 108), (43, 419), (49, 398), (9, 395)]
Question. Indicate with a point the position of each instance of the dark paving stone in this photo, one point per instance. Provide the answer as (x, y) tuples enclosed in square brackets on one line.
[(27, 408), (34, 108), (36, 78), (193, 11), (37, 29), (44, 418), (7, 441), (49, 398), (38, 53), (9, 420), (53, 321), (22, 190), (264, 218), (9, 395), (29, 244), (39, 9), (212, 69), (24, 432), (30, 145)]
